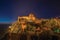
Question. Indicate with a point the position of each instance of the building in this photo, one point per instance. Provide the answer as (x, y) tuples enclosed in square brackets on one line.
[(30, 17)]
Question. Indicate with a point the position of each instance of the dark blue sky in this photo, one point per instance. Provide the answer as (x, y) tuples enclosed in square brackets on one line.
[(11, 9)]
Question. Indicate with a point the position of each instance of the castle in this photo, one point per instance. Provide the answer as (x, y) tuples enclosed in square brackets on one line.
[(32, 25)]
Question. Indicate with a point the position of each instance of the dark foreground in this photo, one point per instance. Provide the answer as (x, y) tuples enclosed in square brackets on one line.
[(34, 37)]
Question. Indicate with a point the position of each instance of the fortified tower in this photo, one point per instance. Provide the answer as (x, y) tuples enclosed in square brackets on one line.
[(31, 16)]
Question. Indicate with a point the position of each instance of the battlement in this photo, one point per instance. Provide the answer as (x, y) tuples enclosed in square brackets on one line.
[(29, 17)]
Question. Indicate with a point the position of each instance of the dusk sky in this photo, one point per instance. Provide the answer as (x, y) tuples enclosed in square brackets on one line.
[(11, 9)]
